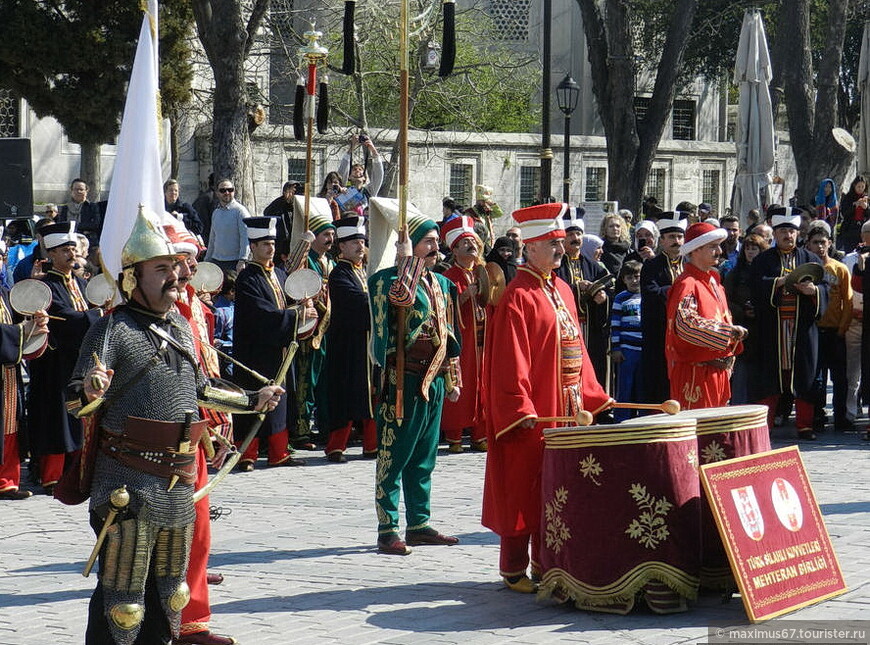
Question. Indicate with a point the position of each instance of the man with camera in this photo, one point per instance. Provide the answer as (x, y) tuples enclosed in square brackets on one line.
[(281, 208), (354, 174)]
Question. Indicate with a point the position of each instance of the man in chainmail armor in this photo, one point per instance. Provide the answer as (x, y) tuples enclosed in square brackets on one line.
[(140, 360)]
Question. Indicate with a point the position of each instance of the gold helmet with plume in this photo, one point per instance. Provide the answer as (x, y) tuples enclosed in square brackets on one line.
[(146, 242)]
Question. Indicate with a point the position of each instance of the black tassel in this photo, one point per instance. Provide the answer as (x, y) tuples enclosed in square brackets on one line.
[(299, 111), (323, 105), (448, 46), (348, 66)]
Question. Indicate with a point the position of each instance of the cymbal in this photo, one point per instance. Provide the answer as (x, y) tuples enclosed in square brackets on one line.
[(604, 282), (496, 282), (809, 271)]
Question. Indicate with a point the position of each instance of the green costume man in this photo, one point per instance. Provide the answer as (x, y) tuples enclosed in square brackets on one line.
[(407, 446), (310, 389)]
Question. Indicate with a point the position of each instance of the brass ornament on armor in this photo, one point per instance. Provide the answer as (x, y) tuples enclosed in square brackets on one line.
[(127, 615), (179, 599)]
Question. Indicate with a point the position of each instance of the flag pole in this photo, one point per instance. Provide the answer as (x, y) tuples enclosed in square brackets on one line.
[(312, 54), (401, 322)]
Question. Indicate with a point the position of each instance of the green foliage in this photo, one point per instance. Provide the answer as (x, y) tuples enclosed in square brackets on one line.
[(482, 95), (491, 89), (716, 30), (176, 68), (71, 59)]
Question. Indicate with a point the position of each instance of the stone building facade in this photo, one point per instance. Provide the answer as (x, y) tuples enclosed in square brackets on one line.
[(695, 160)]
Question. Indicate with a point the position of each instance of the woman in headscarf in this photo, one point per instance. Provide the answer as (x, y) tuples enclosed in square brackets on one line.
[(827, 206), (504, 254), (592, 248), (854, 209)]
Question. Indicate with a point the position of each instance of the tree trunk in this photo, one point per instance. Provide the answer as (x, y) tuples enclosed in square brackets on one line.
[(231, 141), (173, 144), (90, 169), (811, 106), (227, 41), (631, 146)]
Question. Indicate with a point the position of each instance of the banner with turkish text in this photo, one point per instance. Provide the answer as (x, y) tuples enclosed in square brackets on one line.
[(773, 532)]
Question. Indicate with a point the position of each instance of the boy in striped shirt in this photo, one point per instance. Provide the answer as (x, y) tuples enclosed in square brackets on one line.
[(626, 337)]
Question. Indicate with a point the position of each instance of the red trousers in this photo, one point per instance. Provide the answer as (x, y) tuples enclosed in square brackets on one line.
[(477, 433), (51, 467), (513, 558), (804, 411), (10, 469), (338, 438), (277, 448), (197, 614)]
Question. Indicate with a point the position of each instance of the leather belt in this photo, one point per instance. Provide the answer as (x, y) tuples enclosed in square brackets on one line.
[(719, 363), (145, 445)]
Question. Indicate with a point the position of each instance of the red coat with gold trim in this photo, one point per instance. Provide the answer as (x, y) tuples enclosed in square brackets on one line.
[(467, 411), (699, 330), (522, 380)]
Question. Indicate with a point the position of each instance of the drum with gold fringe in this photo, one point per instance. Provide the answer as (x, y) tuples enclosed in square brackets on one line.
[(621, 515), (723, 433)]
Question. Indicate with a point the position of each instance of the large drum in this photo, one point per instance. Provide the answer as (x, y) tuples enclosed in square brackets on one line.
[(621, 514), (723, 433)]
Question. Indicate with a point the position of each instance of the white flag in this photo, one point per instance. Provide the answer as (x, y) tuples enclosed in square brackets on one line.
[(137, 178)]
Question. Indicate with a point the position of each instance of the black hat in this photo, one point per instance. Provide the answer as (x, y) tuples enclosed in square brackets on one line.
[(261, 228), (350, 228), (56, 235), (784, 217)]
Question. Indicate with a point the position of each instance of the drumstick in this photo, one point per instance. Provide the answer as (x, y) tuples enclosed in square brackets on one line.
[(32, 329), (33, 313), (583, 418), (670, 406)]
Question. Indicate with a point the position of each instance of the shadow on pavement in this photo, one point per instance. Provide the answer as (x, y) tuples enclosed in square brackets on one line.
[(463, 606), (28, 600)]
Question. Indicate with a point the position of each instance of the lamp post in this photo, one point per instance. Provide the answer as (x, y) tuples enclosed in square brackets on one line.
[(546, 151), (567, 95)]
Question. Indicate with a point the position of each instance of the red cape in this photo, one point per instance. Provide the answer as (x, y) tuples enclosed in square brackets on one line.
[(466, 411)]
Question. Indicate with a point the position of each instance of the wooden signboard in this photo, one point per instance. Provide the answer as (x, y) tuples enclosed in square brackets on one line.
[(773, 532)]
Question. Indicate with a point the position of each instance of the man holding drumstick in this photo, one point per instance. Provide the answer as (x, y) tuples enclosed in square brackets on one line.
[(535, 365)]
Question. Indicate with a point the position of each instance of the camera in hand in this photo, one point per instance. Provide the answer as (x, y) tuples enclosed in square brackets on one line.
[(363, 138), (862, 248)]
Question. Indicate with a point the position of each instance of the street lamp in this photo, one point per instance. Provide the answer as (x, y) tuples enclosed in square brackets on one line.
[(567, 95)]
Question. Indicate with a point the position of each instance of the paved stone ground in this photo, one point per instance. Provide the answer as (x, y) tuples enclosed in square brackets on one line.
[(298, 555)]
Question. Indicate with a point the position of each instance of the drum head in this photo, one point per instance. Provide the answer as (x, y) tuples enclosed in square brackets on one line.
[(209, 277), (723, 419), (99, 290), (633, 431), (303, 284), (29, 296), (32, 345), (306, 327), (713, 414)]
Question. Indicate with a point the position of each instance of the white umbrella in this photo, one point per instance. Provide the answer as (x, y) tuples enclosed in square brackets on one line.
[(864, 87), (755, 153)]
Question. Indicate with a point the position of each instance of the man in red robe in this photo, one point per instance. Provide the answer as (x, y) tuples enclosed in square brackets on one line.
[(466, 414), (196, 615), (700, 341), (535, 365)]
